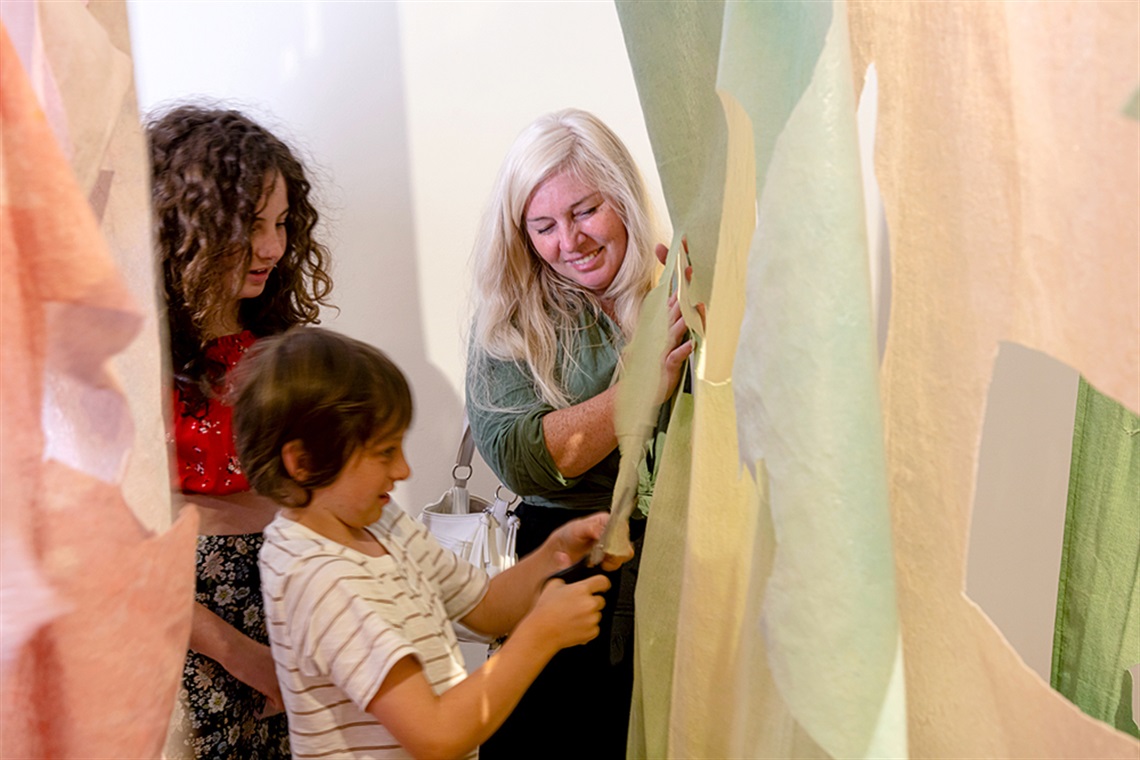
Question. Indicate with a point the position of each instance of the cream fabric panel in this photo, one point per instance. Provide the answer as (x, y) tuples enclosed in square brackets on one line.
[(88, 53)]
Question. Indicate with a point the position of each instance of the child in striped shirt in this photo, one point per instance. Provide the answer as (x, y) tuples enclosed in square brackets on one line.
[(359, 598)]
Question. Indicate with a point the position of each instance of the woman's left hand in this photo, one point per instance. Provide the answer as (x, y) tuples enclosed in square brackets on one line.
[(678, 347)]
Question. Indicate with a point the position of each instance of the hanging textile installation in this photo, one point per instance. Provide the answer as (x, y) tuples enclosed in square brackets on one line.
[(80, 54), (767, 622), (1096, 638), (786, 639), (96, 614)]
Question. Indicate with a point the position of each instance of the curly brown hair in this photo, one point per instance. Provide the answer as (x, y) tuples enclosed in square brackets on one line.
[(209, 169)]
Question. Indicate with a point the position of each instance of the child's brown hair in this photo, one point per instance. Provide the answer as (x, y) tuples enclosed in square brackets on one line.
[(332, 393)]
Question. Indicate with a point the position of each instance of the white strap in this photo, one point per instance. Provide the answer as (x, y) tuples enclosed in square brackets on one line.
[(509, 553), (480, 552), (461, 472), (462, 469)]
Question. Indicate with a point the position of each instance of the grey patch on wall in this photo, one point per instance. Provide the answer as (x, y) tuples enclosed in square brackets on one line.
[(1135, 671), (1018, 520), (878, 234)]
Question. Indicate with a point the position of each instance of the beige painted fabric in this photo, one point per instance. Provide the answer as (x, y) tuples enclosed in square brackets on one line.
[(95, 674), (1010, 181), (88, 58)]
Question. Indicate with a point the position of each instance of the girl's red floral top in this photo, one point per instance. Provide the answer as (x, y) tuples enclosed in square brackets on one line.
[(204, 438)]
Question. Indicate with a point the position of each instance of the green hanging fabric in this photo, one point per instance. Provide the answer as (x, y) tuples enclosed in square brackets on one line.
[(1097, 633)]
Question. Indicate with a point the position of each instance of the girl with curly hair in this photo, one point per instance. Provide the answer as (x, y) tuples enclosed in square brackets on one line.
[(234, 225)]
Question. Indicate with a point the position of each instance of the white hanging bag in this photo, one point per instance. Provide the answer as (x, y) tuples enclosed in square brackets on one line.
[(480, 531)]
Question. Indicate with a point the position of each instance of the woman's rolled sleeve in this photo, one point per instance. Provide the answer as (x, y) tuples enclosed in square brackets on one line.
[(515, 448), (506, 421)]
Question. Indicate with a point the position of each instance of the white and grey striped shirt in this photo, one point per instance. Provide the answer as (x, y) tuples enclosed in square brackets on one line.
[(339, 620)]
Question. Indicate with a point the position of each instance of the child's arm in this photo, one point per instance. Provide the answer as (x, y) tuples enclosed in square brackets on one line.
[(463, 717), (512, 593)]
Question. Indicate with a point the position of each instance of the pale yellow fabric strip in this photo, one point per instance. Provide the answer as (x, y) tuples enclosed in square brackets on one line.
[(635, 412)]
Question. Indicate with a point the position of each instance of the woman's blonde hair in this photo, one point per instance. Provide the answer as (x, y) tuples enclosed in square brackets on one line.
[(524, 311)]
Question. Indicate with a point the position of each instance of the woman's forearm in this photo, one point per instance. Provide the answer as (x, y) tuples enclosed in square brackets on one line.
[(580, 436), (246, 659)]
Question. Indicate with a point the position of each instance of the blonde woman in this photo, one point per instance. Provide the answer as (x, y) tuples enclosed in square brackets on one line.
[(564, 258)]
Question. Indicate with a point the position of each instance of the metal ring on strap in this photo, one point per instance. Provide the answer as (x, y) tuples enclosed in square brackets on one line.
[(500, 489), (461, 480)]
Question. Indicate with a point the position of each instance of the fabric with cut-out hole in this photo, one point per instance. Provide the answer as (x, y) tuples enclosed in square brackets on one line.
[(1010, 189)]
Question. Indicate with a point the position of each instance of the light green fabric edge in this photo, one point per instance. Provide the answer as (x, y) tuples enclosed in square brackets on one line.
[(658, 602)]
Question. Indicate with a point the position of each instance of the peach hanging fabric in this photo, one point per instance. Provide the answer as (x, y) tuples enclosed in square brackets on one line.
[(97, 676), (1011, 183)]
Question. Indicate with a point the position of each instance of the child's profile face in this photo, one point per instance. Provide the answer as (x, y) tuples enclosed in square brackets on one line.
[(360, 492)]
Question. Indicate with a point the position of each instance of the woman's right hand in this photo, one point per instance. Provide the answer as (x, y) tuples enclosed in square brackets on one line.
[(247, 660), (566, 615)]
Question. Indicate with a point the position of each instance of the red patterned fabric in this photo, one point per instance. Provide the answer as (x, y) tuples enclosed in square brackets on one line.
[(204, 439)]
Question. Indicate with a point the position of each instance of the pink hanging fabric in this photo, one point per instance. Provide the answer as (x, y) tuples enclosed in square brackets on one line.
[(96, 611)]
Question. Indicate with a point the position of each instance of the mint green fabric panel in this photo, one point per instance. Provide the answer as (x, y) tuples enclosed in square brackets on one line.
[(806, 381), (768, 58), (658, 597), (673, 49), (1097, 632)]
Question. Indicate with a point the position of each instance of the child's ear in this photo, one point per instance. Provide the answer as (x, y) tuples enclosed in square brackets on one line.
[(296, 460)]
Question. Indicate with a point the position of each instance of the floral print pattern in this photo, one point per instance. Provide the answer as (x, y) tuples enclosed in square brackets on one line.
[(216, 715)]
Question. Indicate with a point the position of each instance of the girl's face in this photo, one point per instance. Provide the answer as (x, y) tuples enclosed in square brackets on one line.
[(576, 231), (267, 239)]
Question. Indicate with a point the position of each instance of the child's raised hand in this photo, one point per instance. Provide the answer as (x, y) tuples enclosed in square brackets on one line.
[(566, 615), (577, 537)]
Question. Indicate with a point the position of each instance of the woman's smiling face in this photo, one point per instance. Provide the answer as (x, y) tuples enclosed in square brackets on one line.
[(577, 231)]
